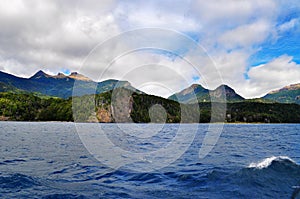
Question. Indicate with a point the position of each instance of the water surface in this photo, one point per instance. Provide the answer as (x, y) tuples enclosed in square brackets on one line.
[(48, 160)]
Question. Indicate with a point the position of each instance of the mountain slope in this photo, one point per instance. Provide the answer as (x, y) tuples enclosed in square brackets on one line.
[(59, 85), (287, 94), (138, 108), (196, 93), (8, 88), (228, 92), (191, 94)]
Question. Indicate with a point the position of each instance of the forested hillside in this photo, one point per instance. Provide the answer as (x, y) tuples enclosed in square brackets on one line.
[(139, 108)]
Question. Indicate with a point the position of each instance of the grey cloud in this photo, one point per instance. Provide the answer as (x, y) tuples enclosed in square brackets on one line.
[(40, 34), (54, 35)]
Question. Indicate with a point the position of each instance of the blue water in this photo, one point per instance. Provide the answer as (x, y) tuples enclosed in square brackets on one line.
[(49, 160)]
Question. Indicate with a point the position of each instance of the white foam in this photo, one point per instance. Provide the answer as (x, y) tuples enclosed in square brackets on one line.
[(265, 163)]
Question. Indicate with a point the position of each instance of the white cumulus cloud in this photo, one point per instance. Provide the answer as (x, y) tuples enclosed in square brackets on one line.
[(273, 75)]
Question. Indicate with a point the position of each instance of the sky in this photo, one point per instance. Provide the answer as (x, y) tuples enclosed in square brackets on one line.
[(161, 47)]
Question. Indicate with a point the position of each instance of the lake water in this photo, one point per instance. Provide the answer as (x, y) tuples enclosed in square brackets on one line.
[(49, 160)]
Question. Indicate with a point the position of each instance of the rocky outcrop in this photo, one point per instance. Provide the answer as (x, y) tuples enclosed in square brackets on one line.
[(104, 115), (77, 76), (3, 118)]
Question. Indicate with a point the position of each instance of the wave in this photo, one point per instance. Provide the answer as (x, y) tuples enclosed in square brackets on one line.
[(272, 177), (267, 162), (64, 196), (17, 181), (13, 161)]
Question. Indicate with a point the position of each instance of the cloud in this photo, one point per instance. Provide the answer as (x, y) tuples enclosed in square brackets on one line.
[(142, 65), (232, 12), (246, 36), (57, 35), (276, 74), (50, 34), (288, 25), (169, 14)]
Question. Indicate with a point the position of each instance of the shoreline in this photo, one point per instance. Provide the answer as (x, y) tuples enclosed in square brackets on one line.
[(225, 123)]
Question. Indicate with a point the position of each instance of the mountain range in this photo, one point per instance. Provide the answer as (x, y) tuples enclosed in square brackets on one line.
[(196, 93), (61, 86), (58, 85)]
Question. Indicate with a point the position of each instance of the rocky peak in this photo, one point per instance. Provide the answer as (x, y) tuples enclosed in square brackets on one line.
[(40, 74), (74, 74), (226, 91), (194, 88), (77, 76), (60, 76)]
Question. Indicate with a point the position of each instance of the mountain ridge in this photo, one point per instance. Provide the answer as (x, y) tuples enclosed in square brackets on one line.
[(20, 102), (73, 75), (61, 85), (197, 93), (287, 94), (286, 88)]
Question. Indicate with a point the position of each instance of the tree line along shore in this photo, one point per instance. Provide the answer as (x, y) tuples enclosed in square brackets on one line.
[(138, 108)]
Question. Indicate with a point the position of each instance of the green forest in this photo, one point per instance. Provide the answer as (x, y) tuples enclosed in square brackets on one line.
[(139, 108), (29, 107)]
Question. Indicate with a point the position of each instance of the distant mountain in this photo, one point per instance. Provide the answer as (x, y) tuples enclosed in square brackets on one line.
[(40, 75), (229, 93), (59, 85), (191, 94), (197, 93), (287, 94)]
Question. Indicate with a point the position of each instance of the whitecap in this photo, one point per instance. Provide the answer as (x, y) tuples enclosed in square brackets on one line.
[(265, 163)]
